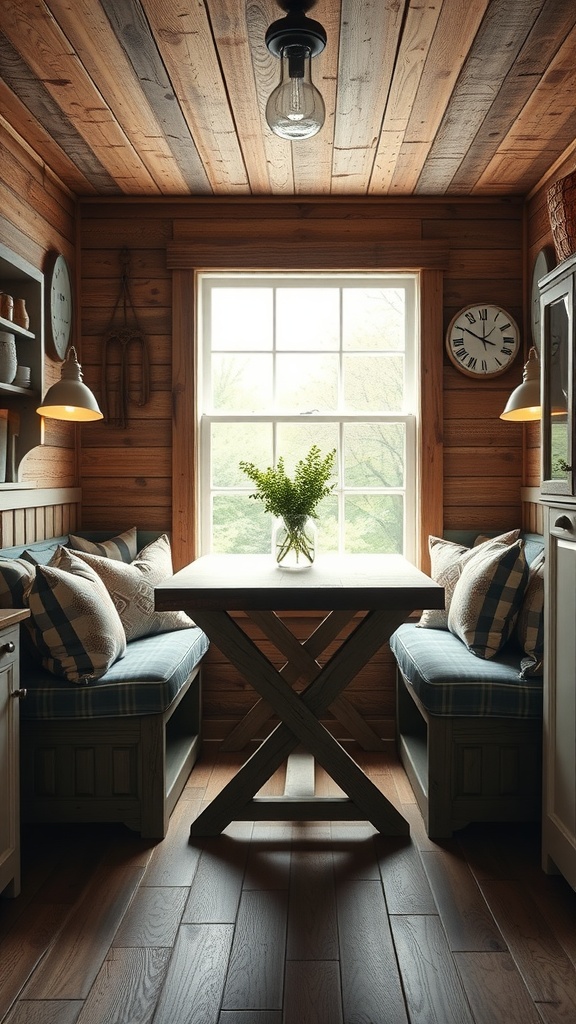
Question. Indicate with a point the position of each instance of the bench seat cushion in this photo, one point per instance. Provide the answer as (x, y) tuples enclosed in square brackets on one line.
[(449, 680), (144, 682)]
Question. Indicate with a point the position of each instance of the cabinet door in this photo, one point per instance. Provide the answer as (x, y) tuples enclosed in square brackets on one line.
[(557, 389), (9, 769)]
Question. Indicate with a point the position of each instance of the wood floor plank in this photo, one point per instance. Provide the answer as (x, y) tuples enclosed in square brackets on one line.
[(354, 851), (546, 969), (468, 923), (312, 993), (250, 1017), (195, 979), (23, 948), (256, 972), (153, 917), (371, 988), (268, 863), (432, 986), (312, 923), (71, 965), (175, 860), (48, 1011), (127, 987), (214, 895), (405, 882), (495, 989)]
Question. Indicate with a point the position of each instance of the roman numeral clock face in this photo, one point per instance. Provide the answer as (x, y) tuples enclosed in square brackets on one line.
[(482, 341)]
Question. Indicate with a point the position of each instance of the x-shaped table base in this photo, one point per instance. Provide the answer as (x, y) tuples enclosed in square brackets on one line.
[(299, 724)]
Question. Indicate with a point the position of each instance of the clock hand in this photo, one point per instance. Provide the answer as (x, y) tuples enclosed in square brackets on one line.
[(468, 331)]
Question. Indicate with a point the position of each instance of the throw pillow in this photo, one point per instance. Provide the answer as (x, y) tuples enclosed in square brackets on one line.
[(74, 623), (487, 599), (41, 554), (447, 559), (16, 575), (122, 548), (530, 624), (131, 587)]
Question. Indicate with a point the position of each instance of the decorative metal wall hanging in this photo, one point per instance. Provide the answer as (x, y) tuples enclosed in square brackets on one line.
[(124, 335)]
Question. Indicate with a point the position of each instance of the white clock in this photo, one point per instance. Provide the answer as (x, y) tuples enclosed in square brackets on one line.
[(58, 307), (482, 340)]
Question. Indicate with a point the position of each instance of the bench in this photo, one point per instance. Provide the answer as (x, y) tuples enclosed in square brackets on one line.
[(469, 729), (120, 748)]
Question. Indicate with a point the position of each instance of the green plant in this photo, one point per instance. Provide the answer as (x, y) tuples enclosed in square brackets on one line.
[(294, 500)]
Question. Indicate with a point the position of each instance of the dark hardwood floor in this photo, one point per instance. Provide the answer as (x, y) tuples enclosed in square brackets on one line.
[(281, 923)]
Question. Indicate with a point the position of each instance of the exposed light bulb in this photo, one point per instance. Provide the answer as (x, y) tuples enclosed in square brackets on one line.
[(295, 109)]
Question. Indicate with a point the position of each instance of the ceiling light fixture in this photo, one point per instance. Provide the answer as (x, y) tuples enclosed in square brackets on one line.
[(295, 109), (70, 398)]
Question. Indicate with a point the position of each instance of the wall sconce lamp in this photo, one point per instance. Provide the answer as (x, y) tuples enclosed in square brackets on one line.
[(524, 402), (295, 109), (70, 399)]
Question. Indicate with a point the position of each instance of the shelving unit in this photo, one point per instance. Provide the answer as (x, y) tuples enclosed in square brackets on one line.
[(25, 428)]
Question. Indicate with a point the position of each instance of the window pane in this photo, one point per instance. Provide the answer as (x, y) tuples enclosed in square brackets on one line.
[(373, 524), (308, 319), (373, 383), (374, 454), (294, 441), (373, 318), (307, 383), (230, 443), (240, 526), (241, 383), (241, 319)]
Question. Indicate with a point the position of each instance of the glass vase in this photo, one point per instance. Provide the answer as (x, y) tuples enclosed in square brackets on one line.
[(294, 542)]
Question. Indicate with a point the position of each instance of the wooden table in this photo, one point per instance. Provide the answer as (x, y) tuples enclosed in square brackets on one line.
[(386, 588)]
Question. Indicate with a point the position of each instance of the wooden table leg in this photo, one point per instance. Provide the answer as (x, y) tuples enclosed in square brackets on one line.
[(299, 723)]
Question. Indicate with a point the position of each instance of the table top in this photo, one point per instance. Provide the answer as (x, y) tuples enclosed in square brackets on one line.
[(333, 582)]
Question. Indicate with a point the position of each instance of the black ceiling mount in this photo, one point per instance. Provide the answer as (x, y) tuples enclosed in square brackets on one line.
[(296, 29)]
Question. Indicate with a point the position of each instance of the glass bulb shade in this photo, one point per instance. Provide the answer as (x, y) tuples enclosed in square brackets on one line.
[(295, 109), (70, 398)]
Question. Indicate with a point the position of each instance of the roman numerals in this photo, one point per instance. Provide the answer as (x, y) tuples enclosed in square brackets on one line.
[(482, 340)]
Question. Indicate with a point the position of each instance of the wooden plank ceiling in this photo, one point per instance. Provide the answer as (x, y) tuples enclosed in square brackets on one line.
[(166, 97)]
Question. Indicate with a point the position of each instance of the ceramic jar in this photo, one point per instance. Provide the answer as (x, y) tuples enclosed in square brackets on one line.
[(8, 357), (20, 315)]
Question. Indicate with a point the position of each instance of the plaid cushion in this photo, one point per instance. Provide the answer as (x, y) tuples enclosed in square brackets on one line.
[(530, 624), (449, 681), (447, 559), (16, 575), (487, 599), (74, 623), (122, 548), (41, 554), (131, 587), (144, 682)]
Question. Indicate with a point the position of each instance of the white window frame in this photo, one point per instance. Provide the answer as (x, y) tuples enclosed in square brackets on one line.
[(409, 416)]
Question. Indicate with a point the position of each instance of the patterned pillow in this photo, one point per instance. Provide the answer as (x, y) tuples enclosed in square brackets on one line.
[(122, 548), (447, 560), (16, 575), (74, 623), (131, 587), (487, 599), (530, 624)]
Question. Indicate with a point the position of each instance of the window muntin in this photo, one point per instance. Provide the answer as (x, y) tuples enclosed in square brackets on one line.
[(287, 361)]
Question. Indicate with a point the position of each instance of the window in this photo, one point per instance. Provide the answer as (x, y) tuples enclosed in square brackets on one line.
[(291, 360)]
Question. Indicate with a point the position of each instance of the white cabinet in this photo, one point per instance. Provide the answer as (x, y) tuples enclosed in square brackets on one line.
[(10, 696), (559, 784)]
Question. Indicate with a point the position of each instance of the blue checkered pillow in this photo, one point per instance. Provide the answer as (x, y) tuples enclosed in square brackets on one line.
[(530, 624), (121, 548), (74, 623), (16, 575), (487, 599)]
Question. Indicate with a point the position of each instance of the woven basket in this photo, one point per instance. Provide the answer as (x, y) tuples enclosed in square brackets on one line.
[(561, 198)]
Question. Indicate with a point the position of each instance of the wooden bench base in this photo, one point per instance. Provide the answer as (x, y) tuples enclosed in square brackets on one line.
[(465, 770), (130, 769)]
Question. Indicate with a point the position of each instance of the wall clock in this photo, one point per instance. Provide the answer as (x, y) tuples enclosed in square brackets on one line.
[(482, 340), (58, 307), (543, 264)]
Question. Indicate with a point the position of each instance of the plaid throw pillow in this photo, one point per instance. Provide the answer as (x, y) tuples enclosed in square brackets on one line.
[(487, 599), (530, 624), (447, 560), (16, 575), (74, 623), (122, 548)]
